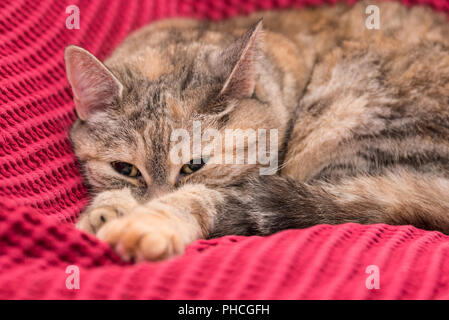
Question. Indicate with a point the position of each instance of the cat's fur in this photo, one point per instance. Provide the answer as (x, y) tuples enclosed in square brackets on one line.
[(362, 116)]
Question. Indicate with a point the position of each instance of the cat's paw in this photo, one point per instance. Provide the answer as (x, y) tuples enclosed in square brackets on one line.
[(143, 236), (106, 206), (92, 220)]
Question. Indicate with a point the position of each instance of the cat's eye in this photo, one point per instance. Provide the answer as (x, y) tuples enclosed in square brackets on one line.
[(126, 169), (192, 166)]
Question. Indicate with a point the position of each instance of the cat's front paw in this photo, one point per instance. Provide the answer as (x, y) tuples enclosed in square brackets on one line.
[(106, 206), (142, 236), (92, 220)]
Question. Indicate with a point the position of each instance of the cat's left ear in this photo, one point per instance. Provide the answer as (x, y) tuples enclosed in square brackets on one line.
[(94, 86), (239, 61)]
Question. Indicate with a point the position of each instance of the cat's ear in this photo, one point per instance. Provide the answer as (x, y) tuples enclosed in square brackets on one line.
[(93, 85), (240, 58)]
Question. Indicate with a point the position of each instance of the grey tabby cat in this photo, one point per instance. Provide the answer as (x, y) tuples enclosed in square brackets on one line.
[(362, 118)]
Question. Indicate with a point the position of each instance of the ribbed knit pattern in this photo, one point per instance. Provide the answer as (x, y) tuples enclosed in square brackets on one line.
[(41, 190)]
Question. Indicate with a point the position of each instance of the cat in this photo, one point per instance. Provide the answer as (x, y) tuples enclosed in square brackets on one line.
[(361, 116)]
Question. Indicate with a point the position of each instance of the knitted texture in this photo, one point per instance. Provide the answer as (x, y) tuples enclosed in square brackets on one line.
[(41, 189)]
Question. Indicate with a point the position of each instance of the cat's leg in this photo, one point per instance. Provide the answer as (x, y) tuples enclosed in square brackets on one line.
[(262, 205), (275, 203), (106, 206), (163, 227)]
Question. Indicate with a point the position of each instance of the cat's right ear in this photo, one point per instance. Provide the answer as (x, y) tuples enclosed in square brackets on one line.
[(93, 85), (238, 63)]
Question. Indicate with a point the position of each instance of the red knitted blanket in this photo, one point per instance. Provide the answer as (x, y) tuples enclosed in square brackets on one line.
[(40, 181)]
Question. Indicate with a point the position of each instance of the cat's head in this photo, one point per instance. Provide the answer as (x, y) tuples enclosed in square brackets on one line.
[(131, 123)]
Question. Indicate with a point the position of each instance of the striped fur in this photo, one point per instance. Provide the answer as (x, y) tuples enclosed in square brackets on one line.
[(362, 116)]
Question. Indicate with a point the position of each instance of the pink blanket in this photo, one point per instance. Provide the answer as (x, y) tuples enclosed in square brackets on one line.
[(41, 190)]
